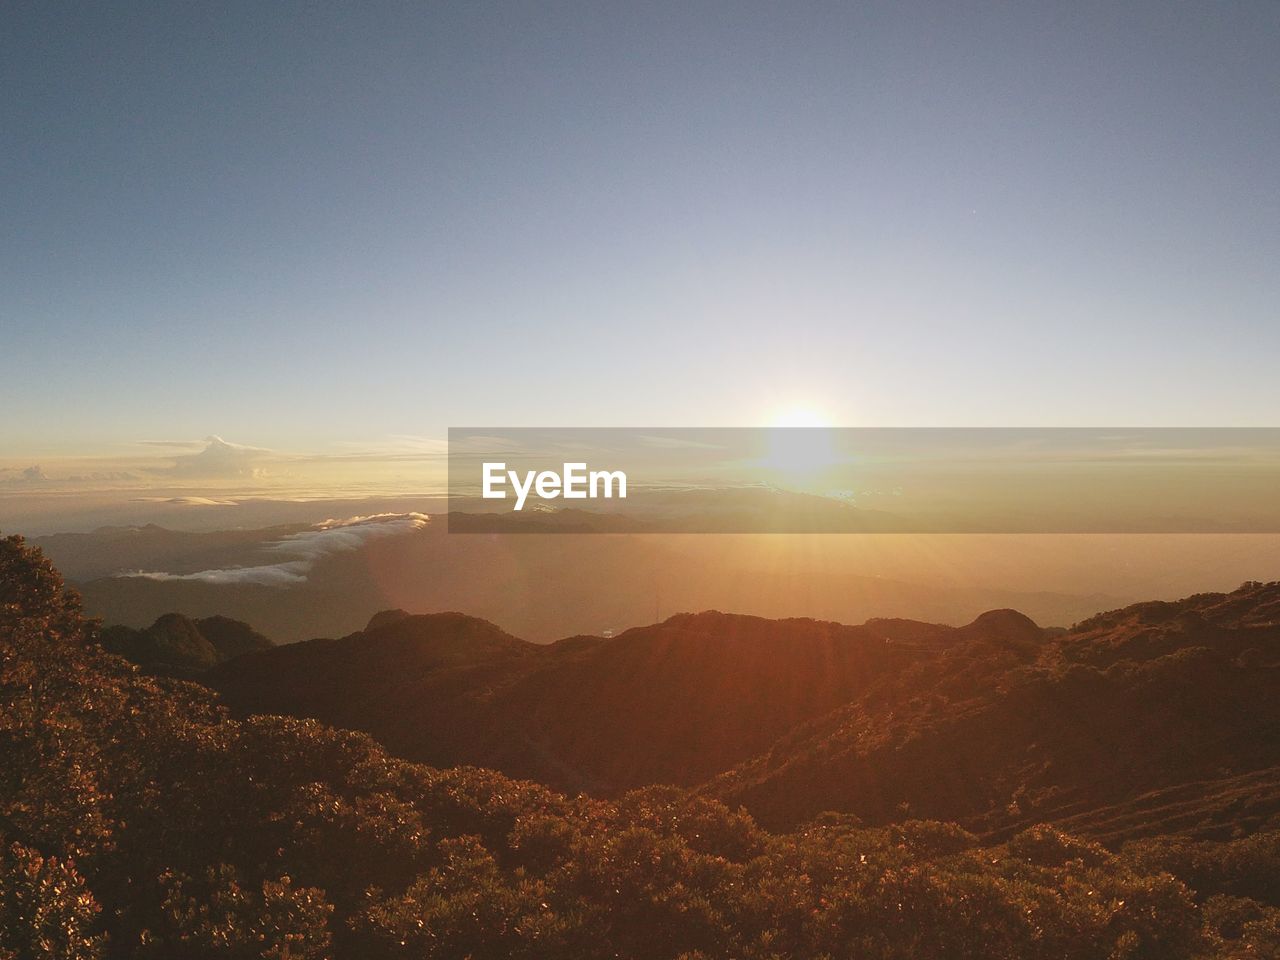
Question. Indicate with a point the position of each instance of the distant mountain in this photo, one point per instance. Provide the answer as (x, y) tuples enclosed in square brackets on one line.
[(543, 587), (231, 638), (179, 646)]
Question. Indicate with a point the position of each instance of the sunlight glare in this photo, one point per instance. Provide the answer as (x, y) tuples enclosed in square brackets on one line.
[(800, 443)]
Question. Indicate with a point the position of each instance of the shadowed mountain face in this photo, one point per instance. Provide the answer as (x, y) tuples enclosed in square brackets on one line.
[(997, 724), (676, 702), (999, 733), (179, 646)]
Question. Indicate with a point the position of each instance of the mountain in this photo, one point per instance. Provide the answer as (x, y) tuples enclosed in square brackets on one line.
[(231, 638), (998, 724), (544, 587), (1155, 700), (179, 646), (676, 702)]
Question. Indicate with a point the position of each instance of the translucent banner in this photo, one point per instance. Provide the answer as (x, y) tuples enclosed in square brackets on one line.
[(864, 480)]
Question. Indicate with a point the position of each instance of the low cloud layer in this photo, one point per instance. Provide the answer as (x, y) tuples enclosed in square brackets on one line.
[(304, 550), (35, 478), (191, 501)]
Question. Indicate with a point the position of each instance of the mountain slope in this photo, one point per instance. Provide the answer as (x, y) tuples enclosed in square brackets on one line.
[(1131, 702), (997, 724), (676, 702)]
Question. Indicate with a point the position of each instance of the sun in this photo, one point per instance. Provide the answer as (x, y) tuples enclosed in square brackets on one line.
[(800, 444), (800, 416)]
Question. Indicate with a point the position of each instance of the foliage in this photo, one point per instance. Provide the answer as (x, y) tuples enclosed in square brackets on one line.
[(1245, 867), (46, 913)]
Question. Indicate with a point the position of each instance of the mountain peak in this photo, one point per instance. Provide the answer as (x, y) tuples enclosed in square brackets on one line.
[(1004, 624), (384, 618)]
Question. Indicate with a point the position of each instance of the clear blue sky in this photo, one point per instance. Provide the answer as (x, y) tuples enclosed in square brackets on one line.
[(294, 225)]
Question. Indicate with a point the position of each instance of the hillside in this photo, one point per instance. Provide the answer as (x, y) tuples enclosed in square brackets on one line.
[(138, 820), (1153, 699)]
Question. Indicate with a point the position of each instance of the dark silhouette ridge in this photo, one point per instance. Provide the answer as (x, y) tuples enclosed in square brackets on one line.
[(676, 702), (997, 724)]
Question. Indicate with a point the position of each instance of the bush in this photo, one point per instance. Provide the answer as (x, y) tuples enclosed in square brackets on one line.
[(46, 912)]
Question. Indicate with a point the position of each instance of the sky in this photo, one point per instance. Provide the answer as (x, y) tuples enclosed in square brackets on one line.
[(341, 229)]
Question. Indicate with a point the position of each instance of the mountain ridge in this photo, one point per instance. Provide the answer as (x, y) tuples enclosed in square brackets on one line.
[(795, 716), (1021, 735)]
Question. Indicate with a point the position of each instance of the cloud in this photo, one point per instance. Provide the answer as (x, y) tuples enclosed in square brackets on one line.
[(36, 477), (182, 444), (28, 477), (676, 443), (219, 460), (191, 501), (397, 446), (269, 575), (109, 476), (304, 550), (477, 443)]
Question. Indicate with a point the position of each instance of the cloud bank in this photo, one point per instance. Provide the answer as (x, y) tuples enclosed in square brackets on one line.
[(304, 550)]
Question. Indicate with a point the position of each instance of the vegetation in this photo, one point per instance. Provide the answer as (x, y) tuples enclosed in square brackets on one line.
[(138, 819)]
